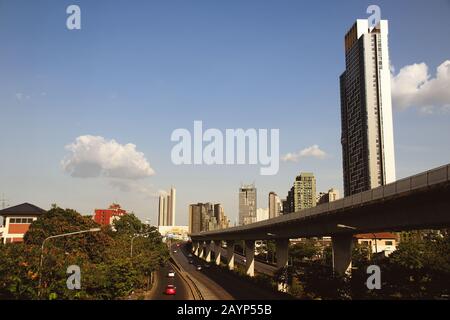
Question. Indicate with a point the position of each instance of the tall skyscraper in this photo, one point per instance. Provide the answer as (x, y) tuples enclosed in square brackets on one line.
[(366, 109), (171, 215), (304, 191), (275, 206), (302, 194), (162, 210), (166, 214), (206, 217), (247, 204)]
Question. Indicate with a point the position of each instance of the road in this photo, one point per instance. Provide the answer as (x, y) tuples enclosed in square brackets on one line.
[(260, 267), (161, 281), (209, 289), (218, 284)]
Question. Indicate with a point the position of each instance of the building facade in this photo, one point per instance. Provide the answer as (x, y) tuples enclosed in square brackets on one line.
[(107, 216), (275, 206), (247, 204), (366, 109), (166, 208), (262, 214), (379, 243), (330, 196), (302, 194), (17, 221), (206, 217)]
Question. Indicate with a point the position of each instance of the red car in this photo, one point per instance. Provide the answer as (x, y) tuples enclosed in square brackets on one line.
[(171, 290)]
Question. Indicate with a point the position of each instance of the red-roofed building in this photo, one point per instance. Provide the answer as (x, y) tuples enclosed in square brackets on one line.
[(379, 242), (107, 216)]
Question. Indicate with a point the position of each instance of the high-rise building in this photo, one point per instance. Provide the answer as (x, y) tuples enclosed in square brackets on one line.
[(166, 215), (171, 215), (221, 218), (247, 204), (366, 109), (304, 191), (302, 194), (325, 197), (195, 218), (162, 213), (206, 217), (262, 214), (275, 206)]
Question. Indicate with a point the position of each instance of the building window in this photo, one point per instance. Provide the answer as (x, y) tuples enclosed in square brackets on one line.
[(388, 243), (21, 220)]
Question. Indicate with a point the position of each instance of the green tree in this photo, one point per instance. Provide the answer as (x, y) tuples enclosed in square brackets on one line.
[(107, 269)]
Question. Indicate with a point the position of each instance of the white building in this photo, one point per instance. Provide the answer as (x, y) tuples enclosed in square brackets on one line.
[(262, 214), (167, 205), (366, 109), (274, 205), (174, 232), (17, 220), (379, 243), (330, 196)]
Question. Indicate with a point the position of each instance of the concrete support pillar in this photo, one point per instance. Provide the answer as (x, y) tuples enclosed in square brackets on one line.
[(195, 246), (250, 257), (208, 251), (282, 253), (282, 249), (201, 250), (217, 250), (230, 254), (342, 253)]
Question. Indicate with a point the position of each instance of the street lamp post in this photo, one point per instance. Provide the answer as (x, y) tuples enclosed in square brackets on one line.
[(52, 237), (132, 239), (131, 247)]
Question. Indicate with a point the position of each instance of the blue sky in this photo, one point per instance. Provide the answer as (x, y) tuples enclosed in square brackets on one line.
[(137, 70)]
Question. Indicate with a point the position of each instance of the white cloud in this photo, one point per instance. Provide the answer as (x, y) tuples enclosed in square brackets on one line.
[(413, 86), (94, 156), (313, 151)]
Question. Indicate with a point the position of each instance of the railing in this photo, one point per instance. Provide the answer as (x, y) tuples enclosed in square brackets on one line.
[(421, 180)]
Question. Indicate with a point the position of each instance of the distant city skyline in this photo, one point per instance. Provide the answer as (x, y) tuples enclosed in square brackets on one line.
[(87, 115)]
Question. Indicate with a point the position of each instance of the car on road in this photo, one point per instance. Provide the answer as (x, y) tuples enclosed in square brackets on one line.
[(199, 268), (190, 255), (174, 251), (191, 261), (171, 274), (207, 266), (171, 290)]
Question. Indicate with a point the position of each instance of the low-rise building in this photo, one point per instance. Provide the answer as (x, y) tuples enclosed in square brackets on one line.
[(174, 232), (107, 216), (17, 221), (380, 242)]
